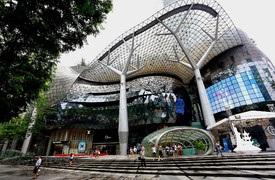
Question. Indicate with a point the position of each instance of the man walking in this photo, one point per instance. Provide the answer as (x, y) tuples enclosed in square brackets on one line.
[(219, 149), (37, 166), (142, 156)]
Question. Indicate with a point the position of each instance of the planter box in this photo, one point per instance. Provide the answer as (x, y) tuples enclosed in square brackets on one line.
[(189, 151)]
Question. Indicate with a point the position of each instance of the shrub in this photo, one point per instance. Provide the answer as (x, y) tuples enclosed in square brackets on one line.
[(200, 145)]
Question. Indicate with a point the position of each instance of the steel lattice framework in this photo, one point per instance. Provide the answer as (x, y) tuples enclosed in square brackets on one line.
[(186, 136), (159, 54), (154, 52)]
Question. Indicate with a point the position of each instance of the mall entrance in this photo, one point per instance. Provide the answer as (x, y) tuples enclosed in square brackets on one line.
[(106, 141)]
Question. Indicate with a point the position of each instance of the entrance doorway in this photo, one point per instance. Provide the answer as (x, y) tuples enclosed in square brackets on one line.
[(109, 149)]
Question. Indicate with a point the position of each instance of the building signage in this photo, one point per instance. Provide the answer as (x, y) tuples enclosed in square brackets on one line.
[(107, 137), (81, 146), (61, 142), (57, 142)]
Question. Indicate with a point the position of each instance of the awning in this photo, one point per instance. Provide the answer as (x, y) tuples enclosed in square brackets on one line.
[(249, 117)]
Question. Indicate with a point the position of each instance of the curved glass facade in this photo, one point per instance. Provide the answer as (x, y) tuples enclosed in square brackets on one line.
[(186, 137), (240, 77), (151, 100), (235, 91), (59, 88)]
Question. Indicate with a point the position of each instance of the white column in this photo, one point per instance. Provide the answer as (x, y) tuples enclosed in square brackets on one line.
[(66, 135), (49, 146), (28, 136), (123, 128), (206, 108), (13, 144), (5, 146), (205, 104)]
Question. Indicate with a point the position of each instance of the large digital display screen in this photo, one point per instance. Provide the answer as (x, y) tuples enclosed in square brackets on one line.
[(235, 91)]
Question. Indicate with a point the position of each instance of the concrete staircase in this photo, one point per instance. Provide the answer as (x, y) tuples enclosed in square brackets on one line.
[(259, 166)]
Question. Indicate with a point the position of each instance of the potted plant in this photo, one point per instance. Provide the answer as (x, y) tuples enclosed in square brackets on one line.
[(201, 146)]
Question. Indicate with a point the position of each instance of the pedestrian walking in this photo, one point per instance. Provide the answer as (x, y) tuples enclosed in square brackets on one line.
[(174, 150), (160, 152), (132, 153), (135, 152), (179, 150), (71, 159), (37, 166), (219, 149), (167, 148), (142, 156), (154, 152), (97, 153)]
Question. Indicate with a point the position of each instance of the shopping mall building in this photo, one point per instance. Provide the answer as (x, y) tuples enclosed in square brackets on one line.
[(186, 72)]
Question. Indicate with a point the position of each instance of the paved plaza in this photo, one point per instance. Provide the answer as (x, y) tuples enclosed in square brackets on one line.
[(18, 172), (25, 173)]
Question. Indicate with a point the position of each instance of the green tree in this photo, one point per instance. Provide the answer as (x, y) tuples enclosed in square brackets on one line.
[(43, 109), (82, 62), (33, 33), (16, 128)]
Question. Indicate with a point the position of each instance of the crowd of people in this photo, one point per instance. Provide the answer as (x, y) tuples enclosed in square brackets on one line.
[(138, 152), (158, 152), (174, 150)]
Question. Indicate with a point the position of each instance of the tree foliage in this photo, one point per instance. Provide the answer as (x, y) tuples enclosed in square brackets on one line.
[(16, 128), (39, 128), (32, 35), (82, 62)]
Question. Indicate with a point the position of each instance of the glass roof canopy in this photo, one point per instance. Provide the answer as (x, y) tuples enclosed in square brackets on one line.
[(185, 136), (64, 78), (157, 52)]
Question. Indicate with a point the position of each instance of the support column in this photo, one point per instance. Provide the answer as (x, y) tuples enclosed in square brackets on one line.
[(13, 144), (49, 146), (66, 135), (5, 147), (206, 108), (205, 104), (123, 128), (28, 136)]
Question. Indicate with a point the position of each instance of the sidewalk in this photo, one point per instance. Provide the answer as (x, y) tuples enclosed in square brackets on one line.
[(17, 172), (25, 173)]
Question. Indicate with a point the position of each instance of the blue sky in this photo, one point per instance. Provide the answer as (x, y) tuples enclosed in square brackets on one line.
[(252, 16)]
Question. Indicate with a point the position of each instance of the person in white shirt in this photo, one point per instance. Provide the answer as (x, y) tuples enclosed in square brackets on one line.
[(135, 152), (132, 153), (142, 156), (71, 159), (154, 152), (37, 166)]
